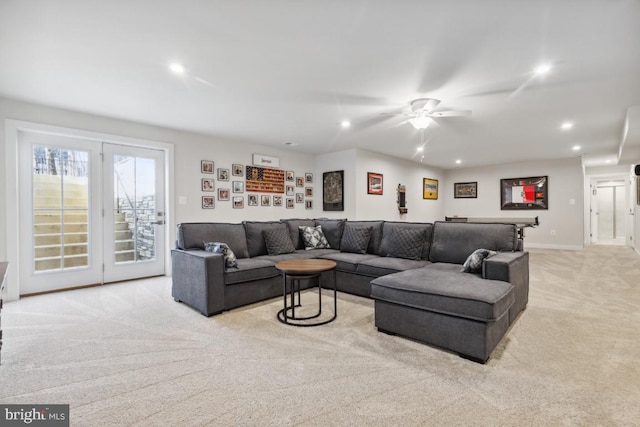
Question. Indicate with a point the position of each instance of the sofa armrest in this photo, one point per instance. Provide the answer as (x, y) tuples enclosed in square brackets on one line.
[(198, 280), (512, 267)]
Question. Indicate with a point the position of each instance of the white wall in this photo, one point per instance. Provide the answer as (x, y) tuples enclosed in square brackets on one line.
[(565, 185), (396, 171)]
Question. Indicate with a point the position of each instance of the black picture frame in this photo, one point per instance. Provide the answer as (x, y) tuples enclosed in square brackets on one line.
[(529, 193), (465, 190), (333, 191)]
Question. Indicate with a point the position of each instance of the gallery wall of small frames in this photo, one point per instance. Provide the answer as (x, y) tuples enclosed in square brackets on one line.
[(254, 186)]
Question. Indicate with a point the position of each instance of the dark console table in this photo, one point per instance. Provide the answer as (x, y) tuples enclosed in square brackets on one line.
[(3, 274)]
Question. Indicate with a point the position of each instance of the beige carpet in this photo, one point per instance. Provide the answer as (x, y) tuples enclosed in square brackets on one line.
[(127, 354)]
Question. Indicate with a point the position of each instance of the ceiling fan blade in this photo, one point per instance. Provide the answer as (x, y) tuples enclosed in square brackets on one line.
[(451, 113)]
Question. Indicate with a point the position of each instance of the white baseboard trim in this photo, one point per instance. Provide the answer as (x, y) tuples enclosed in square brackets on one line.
[(552, 246)]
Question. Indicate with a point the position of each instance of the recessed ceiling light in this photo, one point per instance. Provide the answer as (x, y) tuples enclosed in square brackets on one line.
[(566, 125), (177, 68), (542, 69), (607, 161), (576, 147), (420, 149), (345, 124), (458, 161)]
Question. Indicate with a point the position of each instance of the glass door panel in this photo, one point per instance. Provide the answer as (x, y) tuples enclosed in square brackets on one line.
[(134, 201)]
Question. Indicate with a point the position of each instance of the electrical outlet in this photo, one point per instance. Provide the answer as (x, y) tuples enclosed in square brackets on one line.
[(553, 232)]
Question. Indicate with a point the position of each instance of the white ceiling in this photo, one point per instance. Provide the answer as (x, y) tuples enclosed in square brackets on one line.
[(278, 71)]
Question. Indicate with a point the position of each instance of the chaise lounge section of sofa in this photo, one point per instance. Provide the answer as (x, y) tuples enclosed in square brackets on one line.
[(411, 270)]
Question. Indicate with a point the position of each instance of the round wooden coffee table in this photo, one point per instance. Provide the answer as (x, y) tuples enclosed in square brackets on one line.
[(296, 270)]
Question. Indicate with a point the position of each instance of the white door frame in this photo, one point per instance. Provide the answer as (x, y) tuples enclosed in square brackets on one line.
[(12, 128)]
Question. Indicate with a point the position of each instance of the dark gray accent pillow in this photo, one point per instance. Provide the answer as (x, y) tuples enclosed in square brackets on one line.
[(230, 260), (332, 229), (473, 264), (355, 239), (406, 243), (278, 241)]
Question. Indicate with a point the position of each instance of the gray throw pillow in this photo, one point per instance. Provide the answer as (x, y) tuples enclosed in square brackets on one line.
[(313, 237), (406, 243), (278, 241), (355, 239), (230, 260), (473, 264)]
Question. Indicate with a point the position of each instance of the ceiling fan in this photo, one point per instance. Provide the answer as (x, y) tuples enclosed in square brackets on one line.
[(422, 112)]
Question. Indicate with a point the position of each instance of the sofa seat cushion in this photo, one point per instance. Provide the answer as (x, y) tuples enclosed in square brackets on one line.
[(442, 288), (381, 266), (346, 261), (250, 269)]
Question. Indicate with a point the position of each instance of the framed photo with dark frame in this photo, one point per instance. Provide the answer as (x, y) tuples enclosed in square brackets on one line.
[(333, 191), (430, 188), (524, 193), (374, 183), (465, 190)]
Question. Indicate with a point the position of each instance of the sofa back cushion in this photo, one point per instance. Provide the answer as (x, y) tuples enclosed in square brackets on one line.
[(294, 231), (332, 229), (255, 235), (193, 235), (453, 242), (394, 234), (376, 234)]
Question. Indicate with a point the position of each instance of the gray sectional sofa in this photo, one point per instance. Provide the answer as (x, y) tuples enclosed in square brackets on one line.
[(411, 270)]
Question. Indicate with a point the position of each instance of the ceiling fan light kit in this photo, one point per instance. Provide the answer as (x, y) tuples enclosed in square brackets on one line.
[(422, 113)]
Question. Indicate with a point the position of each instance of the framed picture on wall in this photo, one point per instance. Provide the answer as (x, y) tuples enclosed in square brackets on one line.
[(208, 184), (308, 178), (465, 190), (238, 202), (333, 191), (277, 200), (237, 170), (223, 174), (206, 166), (524, 193), (289, 176), (374, 183), (208, 202), (430, 188), (238, 186), (223, 194)]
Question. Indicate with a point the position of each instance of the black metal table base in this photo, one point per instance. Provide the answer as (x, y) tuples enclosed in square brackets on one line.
[(291, 319)]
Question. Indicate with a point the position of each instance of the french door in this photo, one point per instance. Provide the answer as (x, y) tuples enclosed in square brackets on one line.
[(134, 216), (89, 212)]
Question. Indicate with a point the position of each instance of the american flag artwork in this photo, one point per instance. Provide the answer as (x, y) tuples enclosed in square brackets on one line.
[(264, 180)]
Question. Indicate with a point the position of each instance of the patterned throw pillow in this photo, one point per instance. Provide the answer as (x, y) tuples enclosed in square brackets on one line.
[(355, 239), (313, 237), (473, 264), (278, 241), (230, 260)]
